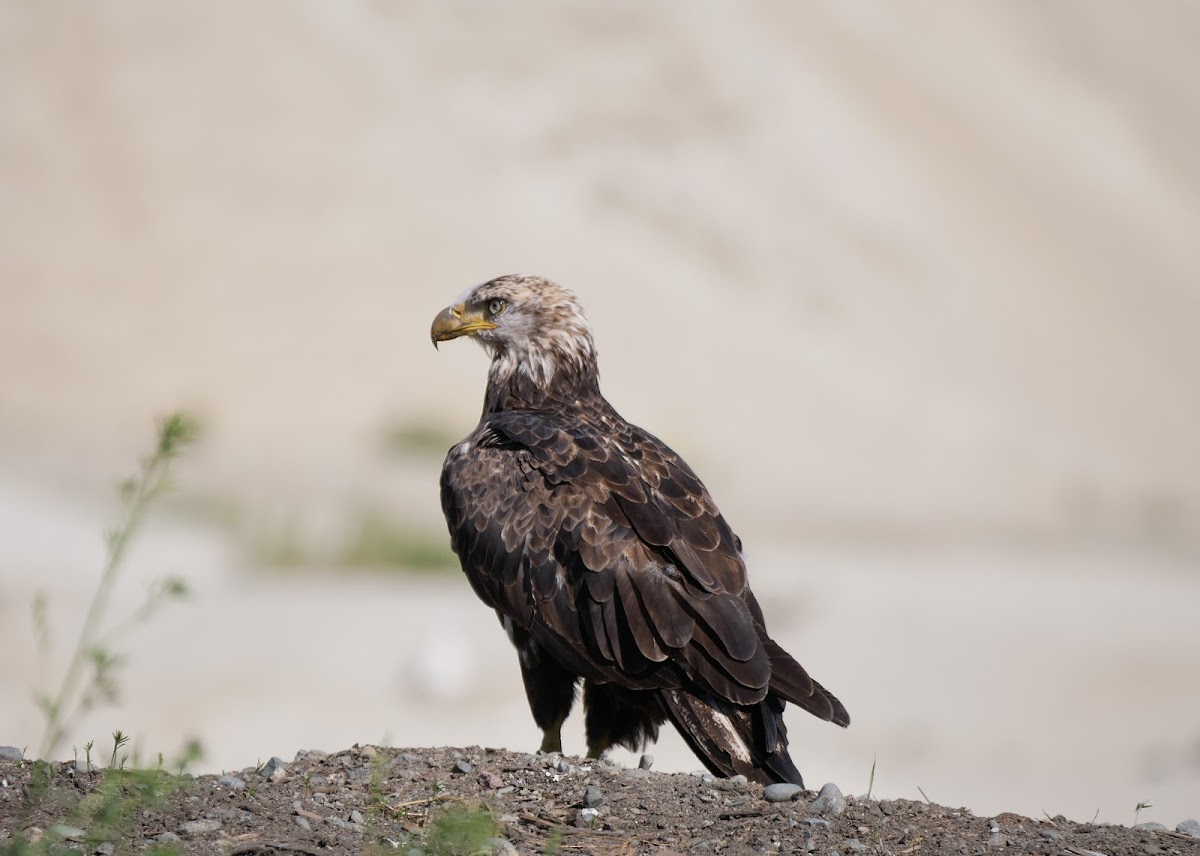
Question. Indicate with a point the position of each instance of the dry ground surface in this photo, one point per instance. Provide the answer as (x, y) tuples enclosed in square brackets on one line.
[(487, 800)]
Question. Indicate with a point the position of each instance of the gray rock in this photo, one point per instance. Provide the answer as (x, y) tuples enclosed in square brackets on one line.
[(588, 815), (104, 848), (310, 755), (592, 797), (490, 780), (1190, 827), (498, 845), (636, 773), (269, 769), (707, 778), (462, 767), (11, 753), (854, 845), (303, 823), (361, 775), (996, 839), (782, 792), (168, 838), (645, 762), (194, 828), (232, 782), (829, 800), (356, 817), (1149, 826), (507, 789), (563, 766), (818, 821), (70, 833), (1050, 834)]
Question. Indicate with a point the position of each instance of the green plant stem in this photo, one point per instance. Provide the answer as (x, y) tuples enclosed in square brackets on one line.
[(173, 431)]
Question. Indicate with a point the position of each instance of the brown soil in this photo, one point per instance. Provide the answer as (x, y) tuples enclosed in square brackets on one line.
[(368, 799)]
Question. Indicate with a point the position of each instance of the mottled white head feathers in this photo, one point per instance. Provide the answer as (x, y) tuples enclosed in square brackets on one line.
[(539, 329)]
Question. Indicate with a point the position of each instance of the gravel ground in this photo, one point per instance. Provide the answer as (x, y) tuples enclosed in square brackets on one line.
[(428, 801)]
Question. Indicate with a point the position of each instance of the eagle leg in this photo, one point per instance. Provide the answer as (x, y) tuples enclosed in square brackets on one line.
[(552, 739), (616, 716), (549, 688)]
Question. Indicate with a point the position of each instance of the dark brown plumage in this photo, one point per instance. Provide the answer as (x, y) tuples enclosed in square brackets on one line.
[(603, 554)]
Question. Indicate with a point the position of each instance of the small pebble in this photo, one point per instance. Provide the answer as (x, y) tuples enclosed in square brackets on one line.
[(707, 778), (498, 845), (356, 817), (562, 766), (997, 840), (992, 825), (104, 848), (303, 823), (829, 800), (507, 789), (737, 782), (1050, 834), (462, 767), (781, 792), (645, 762), (368, 752), (1190, 827), (818, 821), (199, 827), (168, 838), (1150, 826), (592, 797), (232, 782), (490, 780), (854, 845), (588, 814), (11, 753)]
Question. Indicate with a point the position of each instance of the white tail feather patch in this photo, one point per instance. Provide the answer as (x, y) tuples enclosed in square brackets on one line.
[(737, 746)]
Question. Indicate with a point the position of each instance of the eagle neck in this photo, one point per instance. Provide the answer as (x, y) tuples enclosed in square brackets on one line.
[(519, 390)]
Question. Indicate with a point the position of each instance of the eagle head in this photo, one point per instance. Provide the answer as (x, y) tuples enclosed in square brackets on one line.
[(529, 326)]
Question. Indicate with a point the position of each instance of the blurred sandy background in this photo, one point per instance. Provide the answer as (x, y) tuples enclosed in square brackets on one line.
[(915, 287)]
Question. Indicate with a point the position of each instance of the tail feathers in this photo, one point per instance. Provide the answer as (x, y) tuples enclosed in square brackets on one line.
[(732, 739), (791, 682)]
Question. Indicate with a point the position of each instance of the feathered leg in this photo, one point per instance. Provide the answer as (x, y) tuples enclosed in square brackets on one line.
[(549, 688), (615, 716)]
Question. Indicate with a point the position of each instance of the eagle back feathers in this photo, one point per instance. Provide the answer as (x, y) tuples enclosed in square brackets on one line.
[(606, 547)]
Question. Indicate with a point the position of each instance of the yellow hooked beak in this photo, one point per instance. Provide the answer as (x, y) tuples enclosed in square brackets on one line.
[(455, 321)]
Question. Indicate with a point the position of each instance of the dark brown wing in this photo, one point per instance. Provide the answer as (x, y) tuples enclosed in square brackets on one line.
[(605, 546)]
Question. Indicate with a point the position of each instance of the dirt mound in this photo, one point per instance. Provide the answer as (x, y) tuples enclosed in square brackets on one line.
[(487, 800)]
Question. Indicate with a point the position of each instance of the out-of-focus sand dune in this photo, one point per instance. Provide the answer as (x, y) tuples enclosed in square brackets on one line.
[(945, 257), (919, 274)]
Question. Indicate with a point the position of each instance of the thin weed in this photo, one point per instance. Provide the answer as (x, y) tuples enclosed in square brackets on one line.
[(90, 675)]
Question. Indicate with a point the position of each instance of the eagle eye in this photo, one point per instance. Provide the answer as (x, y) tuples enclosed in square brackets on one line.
[(495, 307)]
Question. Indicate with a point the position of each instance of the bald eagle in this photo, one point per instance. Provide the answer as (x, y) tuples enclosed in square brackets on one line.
[(603, 555)]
